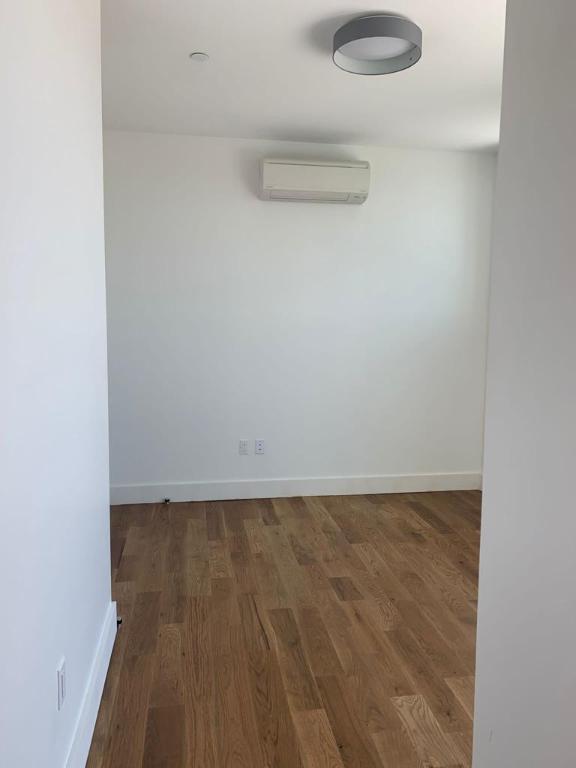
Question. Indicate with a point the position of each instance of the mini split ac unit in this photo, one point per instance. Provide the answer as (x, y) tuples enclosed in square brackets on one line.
[(314, 181)]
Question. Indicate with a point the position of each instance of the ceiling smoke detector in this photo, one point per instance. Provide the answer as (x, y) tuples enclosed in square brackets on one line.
[(378, 44)]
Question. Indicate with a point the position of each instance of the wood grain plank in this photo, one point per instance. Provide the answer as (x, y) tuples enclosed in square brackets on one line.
[(219, 559), (319, 648), (463, 689), (128, 725), (426, 735), (426, 680), (354, 743), (255, 535), (143, 624), (319, 748), (275, 726), (324, 632), (267, 512), (215, 530), (298, 680), (444, 659), (167, 689), (345, 588), (236, 731), (164, 745), (199, 687), (395, 749)]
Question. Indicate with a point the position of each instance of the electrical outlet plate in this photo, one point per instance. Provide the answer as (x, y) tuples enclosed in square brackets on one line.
[(244, 447), (259, 447), (61, 678)]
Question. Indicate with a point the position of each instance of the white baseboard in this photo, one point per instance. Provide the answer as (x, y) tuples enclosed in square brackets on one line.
[(82, 738), (219, 490)]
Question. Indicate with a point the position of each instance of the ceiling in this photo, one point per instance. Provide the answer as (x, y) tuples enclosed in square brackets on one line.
[(270, 73)]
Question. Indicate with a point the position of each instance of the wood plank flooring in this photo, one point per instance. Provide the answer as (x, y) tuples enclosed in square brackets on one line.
[(333, 632)]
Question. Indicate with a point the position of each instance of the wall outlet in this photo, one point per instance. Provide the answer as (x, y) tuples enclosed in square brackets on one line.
[(259, 447), (244, 447), (61, 679)]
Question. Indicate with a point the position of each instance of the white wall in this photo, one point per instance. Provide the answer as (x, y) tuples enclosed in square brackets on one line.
[(54, 542), (352, 339), (526, 676)]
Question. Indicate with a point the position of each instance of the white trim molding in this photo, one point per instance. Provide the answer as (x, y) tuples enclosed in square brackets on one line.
[(220, 490), (84, 728)]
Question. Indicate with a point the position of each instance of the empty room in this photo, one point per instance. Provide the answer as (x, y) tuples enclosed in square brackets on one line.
[(287, 315)]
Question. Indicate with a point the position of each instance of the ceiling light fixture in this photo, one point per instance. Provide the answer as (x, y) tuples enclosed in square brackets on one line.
[(377, 45), (199, 57)]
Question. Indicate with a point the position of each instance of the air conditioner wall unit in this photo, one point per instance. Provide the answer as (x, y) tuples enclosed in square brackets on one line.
[(314, 181)]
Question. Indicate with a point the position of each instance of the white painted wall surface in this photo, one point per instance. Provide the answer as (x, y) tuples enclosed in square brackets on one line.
[(54, 541), (350, 338), (526, 676)]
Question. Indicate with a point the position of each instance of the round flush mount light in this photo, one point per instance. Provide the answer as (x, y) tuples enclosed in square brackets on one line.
[(199, 57), (377, 45)]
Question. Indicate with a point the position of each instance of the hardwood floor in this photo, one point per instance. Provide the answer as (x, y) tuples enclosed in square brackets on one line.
[(333, 632)]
